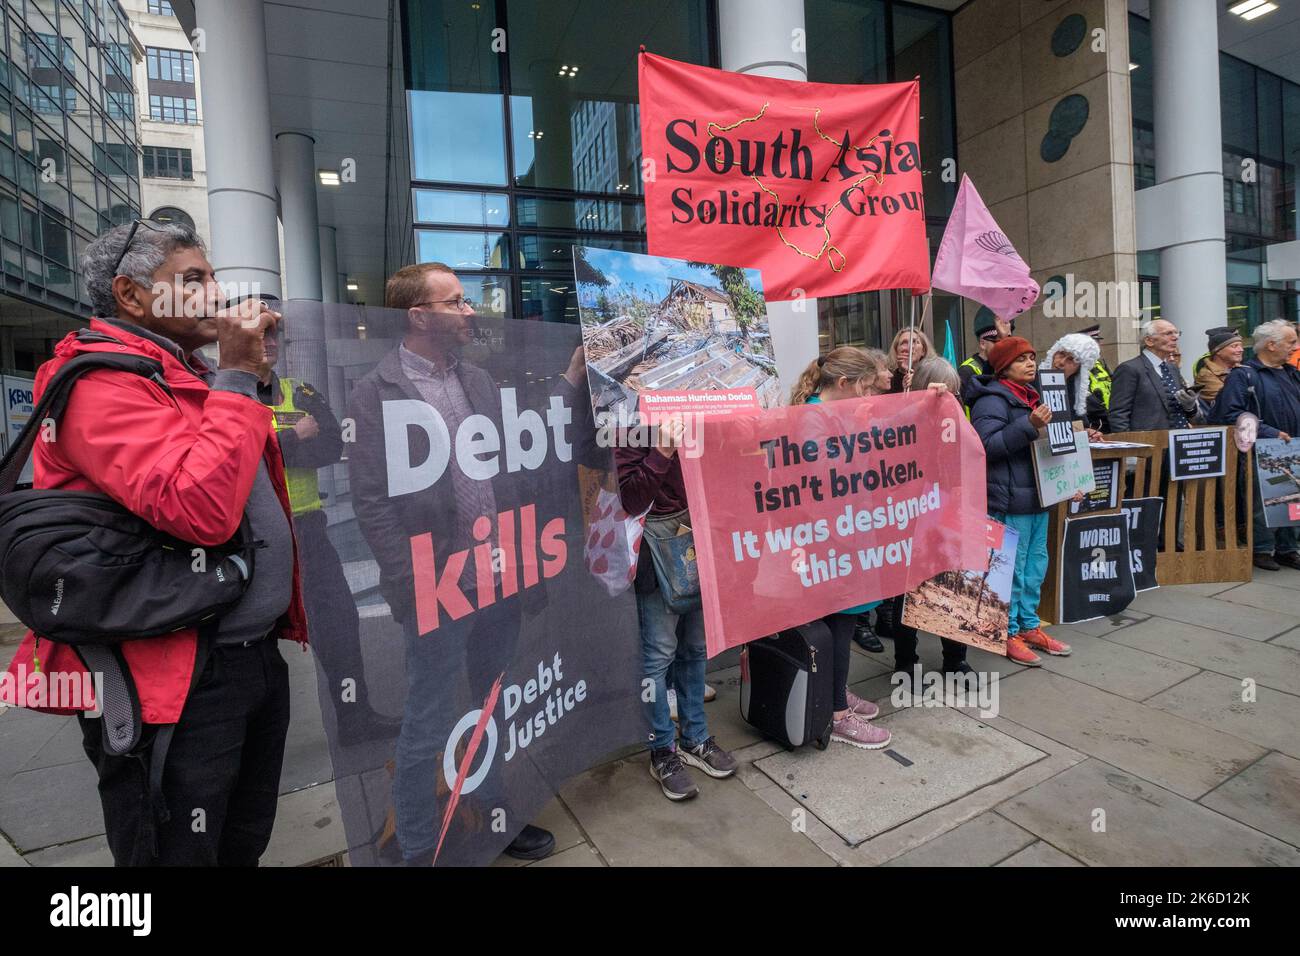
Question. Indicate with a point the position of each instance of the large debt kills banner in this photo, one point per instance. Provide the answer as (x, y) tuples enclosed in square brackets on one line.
[(807, 510), (458, 690), (816, 184)]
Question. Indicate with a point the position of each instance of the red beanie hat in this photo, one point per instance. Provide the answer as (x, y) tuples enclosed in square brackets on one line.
[(1007, 351)]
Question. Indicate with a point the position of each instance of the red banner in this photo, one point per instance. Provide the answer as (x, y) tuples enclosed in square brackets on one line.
[(808, 510), (816, 184)]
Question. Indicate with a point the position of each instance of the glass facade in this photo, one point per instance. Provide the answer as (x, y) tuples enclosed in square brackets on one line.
[(69, 164), (516, 157), (1260, 118)]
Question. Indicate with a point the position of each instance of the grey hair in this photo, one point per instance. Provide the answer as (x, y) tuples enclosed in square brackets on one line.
[(934, 369), (1149, 327), (1271, 331), (152, 244)]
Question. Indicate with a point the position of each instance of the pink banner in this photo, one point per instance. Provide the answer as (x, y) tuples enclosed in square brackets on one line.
[(807, 510)]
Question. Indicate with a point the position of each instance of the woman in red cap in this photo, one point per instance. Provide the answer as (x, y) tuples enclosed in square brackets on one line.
[(1007, 413)]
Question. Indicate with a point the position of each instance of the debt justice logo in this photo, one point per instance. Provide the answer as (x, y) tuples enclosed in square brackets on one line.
[(818, 185)]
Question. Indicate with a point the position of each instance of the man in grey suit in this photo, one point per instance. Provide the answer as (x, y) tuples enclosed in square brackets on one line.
[(1148, 392)]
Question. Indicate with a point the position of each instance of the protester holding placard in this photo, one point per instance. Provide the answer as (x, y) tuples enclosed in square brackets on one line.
[(1267, 387), (909, 347), (845, 372), (650, 478), (1007, 413)]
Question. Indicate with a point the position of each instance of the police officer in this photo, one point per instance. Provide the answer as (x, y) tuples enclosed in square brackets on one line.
[(986, 335), (310, 439), (1099, 379)]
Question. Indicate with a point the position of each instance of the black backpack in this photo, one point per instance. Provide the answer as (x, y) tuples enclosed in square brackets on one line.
[(78, 568)]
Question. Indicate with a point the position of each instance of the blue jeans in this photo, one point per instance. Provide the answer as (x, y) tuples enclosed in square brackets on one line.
[(1031, 568), (660, 649), (1268, 540)]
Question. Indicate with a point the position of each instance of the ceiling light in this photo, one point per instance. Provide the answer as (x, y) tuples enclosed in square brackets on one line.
[(1132, 67), (566, 70), (353, 287), (1250, 9), (1259, 11), (328, 177)]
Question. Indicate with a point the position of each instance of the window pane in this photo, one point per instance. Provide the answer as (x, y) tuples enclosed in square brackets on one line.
[(846, 41), (551, 300), (1237, 101), (587, 215), (467, 208), (555, 254), (457, 137), (463, 250), (922, 47)]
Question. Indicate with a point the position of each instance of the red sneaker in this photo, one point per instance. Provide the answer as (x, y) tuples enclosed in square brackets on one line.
[(1019, 652), (1038, 640)]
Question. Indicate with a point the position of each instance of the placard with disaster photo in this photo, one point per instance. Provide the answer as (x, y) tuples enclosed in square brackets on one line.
[(693, 335)]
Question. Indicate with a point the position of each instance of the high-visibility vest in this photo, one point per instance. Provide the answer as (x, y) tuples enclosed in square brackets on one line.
[(973, 363), (304, 491), (1099, 381)]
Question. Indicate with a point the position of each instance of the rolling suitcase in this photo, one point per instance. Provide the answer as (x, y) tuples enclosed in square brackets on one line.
[(785, 685)]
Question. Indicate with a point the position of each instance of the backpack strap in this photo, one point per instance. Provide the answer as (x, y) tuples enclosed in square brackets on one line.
[(54, 399)]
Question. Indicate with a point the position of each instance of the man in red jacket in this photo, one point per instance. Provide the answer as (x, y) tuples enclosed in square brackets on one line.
[(201, 786)]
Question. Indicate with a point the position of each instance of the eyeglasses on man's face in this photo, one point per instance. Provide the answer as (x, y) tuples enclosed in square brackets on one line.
[(460, 302)]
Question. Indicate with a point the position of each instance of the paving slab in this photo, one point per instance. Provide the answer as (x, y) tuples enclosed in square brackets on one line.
[(1184, 756), (1040, 854), (308, 827), (1098, 627), (1145, 825), (64, 747), (22, 736), (1271, 720), (39, 808), (1283, 577), (9, 857), (1265, 796), (306, 749), (555, 816), (624, 814), (82, 853), (1120, 669), (581, 855), (1175, 605), (860, 793), (1290, 639), (1266, 663), (1206, 590), (1266, 595), (982, 841)]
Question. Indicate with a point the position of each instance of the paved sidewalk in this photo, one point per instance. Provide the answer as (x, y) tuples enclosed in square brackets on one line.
[(1169, 738)]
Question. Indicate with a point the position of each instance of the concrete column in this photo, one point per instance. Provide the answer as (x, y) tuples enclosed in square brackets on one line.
[(757, 36), (297, 184), (329, 264), (1189, 157), (237, 143)]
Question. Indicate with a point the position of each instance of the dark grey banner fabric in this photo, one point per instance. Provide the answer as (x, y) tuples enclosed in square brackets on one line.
[(471, 655)]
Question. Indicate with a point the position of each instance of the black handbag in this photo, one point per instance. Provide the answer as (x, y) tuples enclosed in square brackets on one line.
[(78, 568)]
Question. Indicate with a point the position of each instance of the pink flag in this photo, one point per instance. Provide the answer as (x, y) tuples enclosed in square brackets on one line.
[(977, 261)]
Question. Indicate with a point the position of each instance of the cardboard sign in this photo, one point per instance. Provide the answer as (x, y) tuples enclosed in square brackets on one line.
[(1106, 495), (1144, 516), (1196, 453), (1277, 469), (969, 606), (1095, 569), (1060, 430), (1060, 476)]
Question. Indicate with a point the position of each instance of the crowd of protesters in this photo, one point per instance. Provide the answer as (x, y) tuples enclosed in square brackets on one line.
[(237, 444)]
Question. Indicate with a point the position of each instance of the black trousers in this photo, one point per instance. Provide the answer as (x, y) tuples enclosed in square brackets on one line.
[(905, 658), (841, 627), (221, 777), (332, 620)]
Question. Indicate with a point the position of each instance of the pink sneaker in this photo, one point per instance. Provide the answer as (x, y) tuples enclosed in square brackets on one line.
[(856, 732), (863, 708)]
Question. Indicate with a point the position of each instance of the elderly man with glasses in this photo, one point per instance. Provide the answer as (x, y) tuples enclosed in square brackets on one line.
[(198, 464)]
